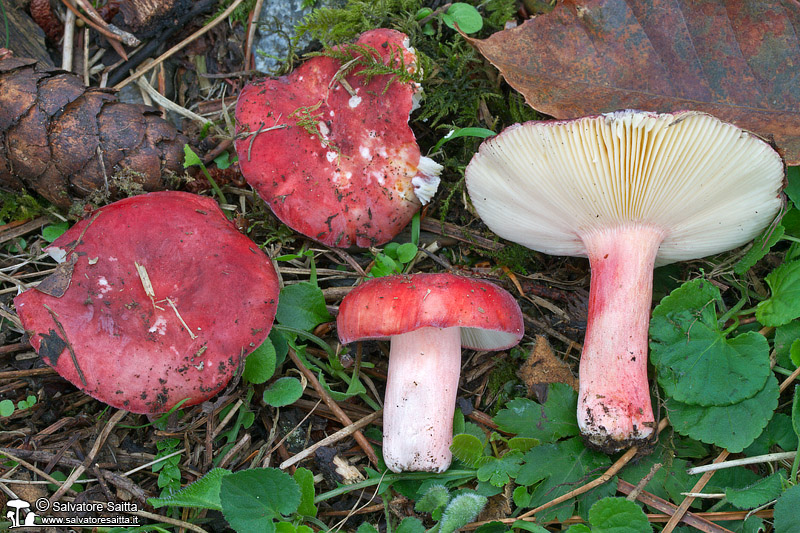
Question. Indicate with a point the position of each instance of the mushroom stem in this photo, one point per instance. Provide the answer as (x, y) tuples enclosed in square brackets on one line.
[(614, 410), (424, 368)]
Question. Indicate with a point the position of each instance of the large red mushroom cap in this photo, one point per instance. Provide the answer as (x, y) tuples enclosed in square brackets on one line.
[(333, 155), (428, 318), (165, 300)]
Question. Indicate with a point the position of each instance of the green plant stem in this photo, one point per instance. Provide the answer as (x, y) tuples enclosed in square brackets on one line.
[(735, 309), (344, 377), (450, 475), (309, 336), (796, 463), (214, 185)]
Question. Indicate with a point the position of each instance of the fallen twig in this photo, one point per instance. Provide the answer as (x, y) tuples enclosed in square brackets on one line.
[(333, 406), (330, 439), (98, 443)]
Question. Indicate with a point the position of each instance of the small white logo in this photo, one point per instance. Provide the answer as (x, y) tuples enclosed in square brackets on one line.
[(15, 515)]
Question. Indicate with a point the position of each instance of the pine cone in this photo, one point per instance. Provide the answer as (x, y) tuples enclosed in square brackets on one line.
[(64, 140)]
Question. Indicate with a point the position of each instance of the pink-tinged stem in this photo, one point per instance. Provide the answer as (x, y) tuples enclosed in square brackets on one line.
[(614, 410), (424, 367)]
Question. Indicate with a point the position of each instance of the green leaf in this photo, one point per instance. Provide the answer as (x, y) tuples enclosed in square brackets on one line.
[(669, 481), (707, 369), (792, 189), (785, 336), (54, 231), (618, 515), (579, 528), (6, 407), (499, 472), (433, 501), (190, 158), (760, 248), (521, 496), (406, 252), (461, 510), (302, 306), (696, 364), (481, 133), (468, 449), (465, 15), (762, 491), (524, 525), (285, 391), (733, 426), (522, 444), (251, 499), (787, 519), (554, 420), (794, 352), (223, 160), (410, 525), (202, 494), (778, 432), (260, 364), (557, 468), (784, 304), (366, 528), (305, 480)]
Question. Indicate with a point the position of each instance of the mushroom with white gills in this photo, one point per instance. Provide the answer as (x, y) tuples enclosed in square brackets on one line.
[(161, 301), (631, 190), (330, 150), (428, 318)]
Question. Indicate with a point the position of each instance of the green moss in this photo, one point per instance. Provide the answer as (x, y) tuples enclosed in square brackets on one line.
[(19, 206), (504, 385), (516, 257)]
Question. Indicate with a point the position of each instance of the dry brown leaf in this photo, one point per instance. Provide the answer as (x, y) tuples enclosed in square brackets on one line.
[(543, 367), (736, 60)]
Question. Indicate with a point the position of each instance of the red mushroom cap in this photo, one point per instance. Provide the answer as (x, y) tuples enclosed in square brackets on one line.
[(211, 300), (489, 317), (337, 161)]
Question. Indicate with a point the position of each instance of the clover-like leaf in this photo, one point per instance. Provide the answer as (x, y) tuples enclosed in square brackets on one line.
[(499, 472)]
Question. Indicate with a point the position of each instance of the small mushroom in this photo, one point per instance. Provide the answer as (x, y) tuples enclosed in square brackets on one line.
[(427, 318), (162, 301), (330, 150), (630, 190)]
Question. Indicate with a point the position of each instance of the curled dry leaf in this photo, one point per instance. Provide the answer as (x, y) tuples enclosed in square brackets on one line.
[(63, 140), (735, 60)]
